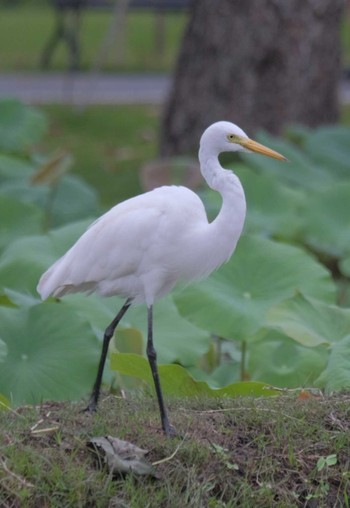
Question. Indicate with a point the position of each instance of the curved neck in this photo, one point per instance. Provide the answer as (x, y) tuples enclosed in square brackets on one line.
[(211, 169), (222, 180), (230, 220)]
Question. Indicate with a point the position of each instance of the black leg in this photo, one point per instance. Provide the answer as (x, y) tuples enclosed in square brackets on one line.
[(152, 358), (92, 406)]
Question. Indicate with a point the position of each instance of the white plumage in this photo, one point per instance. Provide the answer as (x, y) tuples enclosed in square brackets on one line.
[(143, 246)]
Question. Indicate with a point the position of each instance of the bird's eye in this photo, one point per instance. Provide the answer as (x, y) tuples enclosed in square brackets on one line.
[(232, 138)]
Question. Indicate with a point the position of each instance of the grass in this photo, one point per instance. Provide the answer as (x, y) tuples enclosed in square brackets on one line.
[(345, 115), (274, 452), (345, 35), (241, 452), (35, 25)]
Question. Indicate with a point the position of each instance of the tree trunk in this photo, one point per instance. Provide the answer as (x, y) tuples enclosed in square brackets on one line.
[(259, 63)]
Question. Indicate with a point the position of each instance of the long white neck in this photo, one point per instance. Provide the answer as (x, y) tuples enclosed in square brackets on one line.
[(227, 227)]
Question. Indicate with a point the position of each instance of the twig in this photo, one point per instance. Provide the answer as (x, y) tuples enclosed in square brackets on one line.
[(8, 408), (36, 424), (48, 429), (14, 475), (113, 396), (166, 459)]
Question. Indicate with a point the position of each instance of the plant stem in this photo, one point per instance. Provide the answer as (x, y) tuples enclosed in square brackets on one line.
[(243, 359), (218, 351)]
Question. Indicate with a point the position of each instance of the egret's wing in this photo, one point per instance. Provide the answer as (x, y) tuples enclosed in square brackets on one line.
[(117, 244)]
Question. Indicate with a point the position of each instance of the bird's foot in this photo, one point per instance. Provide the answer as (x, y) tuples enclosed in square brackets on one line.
[(170, 431), (90, 408)]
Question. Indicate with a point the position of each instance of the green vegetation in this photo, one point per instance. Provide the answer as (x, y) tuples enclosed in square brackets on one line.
[(35, 24), (345, 115), (345, 34), (109, 145), (273, 314), (277, 452), (277, 313)]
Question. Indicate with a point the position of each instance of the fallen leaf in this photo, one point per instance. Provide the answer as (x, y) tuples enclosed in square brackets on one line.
[(121, 456)]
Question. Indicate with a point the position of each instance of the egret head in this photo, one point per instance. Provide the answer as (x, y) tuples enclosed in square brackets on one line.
[(228, 137)]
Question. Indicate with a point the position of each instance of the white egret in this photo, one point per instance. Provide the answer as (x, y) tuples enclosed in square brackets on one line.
[(143, 246)]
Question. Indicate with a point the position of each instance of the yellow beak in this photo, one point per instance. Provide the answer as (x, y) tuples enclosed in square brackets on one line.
[(253, 146)]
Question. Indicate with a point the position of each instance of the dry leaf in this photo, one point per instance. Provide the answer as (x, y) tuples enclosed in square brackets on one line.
[(121, 456)]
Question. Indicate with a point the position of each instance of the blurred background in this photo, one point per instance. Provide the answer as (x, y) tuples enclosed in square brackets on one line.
[(124, 81), (101, 100)]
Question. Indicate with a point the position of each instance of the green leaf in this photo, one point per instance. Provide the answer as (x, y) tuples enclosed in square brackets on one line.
[(176, 339), (176, 381), (273, 208), (336, 375), (62, 238), (51, 354), (20, 125), (326, 224), (13, 167), (323, 462), (301, 171), (329, 147), (3, 351), (225, 374), (25, 259), (129, 340), (74, 200), (5, 300), (225, 456), (70, 200), (21, 190), (331, 460), (98, 311), (22, 263), (278, 360), (18, 299), (309, 321), (18, 219), (233, 302)]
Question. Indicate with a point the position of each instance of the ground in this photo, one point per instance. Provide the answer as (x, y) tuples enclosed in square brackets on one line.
[(291, 450)]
